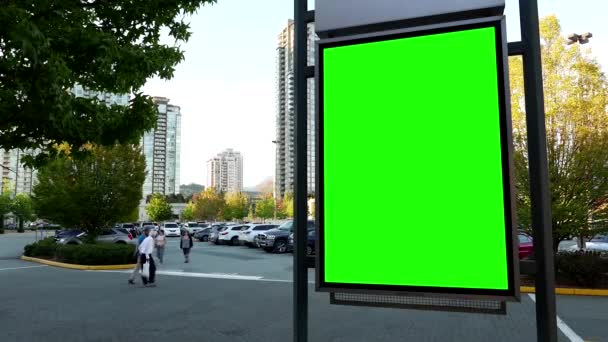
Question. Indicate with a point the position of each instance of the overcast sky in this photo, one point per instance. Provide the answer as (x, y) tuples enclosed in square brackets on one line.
[(225, 86)]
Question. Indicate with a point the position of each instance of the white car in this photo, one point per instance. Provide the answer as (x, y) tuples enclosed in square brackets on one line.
[(249, 236), (171, 229), (599, 243), (193, 227), (230, 235)]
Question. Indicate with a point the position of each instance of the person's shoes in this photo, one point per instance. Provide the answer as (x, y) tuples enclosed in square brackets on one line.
[(131, 282)]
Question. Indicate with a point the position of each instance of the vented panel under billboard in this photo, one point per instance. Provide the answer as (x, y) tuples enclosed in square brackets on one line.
[(414, 163)]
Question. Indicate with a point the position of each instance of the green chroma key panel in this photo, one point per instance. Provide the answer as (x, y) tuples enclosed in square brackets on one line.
[(414, 189)]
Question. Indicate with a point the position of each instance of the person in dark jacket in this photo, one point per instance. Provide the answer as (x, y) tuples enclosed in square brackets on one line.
[(185, 243)]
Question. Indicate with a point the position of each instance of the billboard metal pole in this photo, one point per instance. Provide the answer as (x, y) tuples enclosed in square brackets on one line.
[(546, 322), (300, 270)]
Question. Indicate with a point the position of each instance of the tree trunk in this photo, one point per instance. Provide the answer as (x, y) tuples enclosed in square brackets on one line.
[(1, 222), (21, 230)]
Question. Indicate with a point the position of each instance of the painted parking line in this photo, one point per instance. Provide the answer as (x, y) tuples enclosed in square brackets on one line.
[(565, 329), (19, 268), (229, 276)]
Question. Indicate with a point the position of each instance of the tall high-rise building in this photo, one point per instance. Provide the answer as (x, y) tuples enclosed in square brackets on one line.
[(285, 118), (225, 171), (161, 147)]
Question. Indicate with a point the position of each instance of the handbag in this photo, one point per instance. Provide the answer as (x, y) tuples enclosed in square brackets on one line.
[(145, 269)]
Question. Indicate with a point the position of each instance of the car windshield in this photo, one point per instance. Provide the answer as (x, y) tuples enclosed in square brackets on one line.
[(287, 226), (193, 224), (524, 238), (123, 230), (128, 226), (170, 225)]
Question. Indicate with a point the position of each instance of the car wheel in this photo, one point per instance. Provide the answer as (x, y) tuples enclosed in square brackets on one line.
[(234, 241), (308, 250), (280, 246), (121, 243), (205, 238), (268, 249)]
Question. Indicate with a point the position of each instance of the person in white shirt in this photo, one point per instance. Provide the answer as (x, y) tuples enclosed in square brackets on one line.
[(146, 247)]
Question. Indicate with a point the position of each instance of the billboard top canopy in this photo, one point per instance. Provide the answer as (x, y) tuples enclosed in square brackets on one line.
[(339, 15)]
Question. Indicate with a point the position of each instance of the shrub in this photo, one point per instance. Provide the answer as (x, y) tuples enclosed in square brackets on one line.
[(85, 254), (96, 254), (1, 230), (582, 268), (43, 248)]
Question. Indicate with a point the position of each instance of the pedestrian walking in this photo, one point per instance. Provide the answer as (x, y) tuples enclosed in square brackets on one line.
[(148, 268), (160, 242), (137, 267), (185, 244)]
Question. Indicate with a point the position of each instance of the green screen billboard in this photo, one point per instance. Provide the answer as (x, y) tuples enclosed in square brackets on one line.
[(414, 163)]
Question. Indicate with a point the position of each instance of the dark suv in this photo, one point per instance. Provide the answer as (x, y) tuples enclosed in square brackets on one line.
[(276, 240)]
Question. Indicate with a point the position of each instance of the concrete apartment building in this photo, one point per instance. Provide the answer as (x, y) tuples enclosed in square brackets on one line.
[(161, 147), (19, 178), (225, 171), (285, 117)]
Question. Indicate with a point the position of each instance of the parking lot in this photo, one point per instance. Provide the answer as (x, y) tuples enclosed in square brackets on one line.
[(234, 293)]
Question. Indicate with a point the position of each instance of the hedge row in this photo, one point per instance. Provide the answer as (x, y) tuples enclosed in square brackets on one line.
[(589, 269), (85, 254)]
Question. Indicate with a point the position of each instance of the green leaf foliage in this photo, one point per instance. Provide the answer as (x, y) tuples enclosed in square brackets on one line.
[(237, 206), (264, 208), (22, 208), (5, 205), (46, 47), (94, 192), (188, 213), (159, 209), (209, 205), (576, 99)]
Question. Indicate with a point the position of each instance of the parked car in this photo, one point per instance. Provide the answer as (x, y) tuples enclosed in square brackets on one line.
[(113, 235), (599, 243), (310, 245), (277, 240), (249, 236), (203, 234), (192, 227), (203, 224), (215, 233), (170, 229), (230, 235), (526, 246), (60, 234)]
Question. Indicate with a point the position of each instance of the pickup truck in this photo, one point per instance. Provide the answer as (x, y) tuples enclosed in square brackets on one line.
[(277, 240)]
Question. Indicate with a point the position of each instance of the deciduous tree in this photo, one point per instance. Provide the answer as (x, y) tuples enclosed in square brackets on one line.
[(209, 205), (94, 192), (236, 206), (159, 209), (46, 47), (577, 135), (264, 208), (21, 207)]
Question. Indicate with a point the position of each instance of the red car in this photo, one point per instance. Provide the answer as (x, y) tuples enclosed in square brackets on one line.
[(526, 246)]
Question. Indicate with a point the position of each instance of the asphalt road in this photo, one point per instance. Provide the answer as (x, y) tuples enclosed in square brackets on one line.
[(235, 294)]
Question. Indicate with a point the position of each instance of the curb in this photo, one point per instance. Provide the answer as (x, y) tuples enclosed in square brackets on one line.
[(569, 291), (78, 267)]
